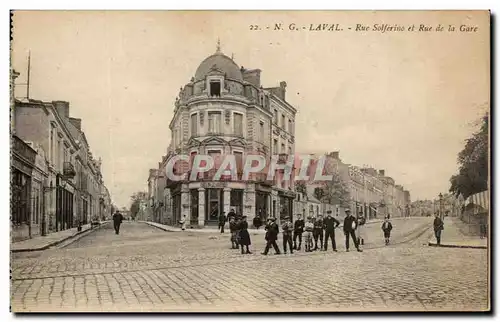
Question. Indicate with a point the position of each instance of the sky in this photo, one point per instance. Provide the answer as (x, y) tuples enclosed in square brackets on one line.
[(400, 101)]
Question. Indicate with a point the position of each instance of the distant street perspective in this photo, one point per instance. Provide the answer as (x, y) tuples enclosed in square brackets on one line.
[(146, 268)]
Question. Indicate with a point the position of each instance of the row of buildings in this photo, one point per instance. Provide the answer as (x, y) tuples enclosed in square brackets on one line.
[(56, 182), (224, 110)]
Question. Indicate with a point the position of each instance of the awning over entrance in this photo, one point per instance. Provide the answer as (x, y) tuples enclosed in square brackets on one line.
[(480, 201)]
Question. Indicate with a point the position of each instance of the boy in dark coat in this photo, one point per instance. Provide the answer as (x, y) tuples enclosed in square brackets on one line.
[(298, 229), (287, 235), (350, 224), (244, 236), (257, 222), (386, 228), (272, 231)]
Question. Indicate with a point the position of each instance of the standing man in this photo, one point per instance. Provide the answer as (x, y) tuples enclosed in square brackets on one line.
[(222, 222), (350, 230), (298, 229), (438, 228), (117, 221), (272, 231), (287, 235), (330, 224), (318, 232)]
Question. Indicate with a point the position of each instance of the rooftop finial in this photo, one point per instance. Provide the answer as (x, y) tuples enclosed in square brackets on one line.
[(232, 56), (218, 45)]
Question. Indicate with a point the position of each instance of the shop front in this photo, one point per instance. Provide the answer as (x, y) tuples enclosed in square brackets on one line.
[(286, 204), (23, 162)]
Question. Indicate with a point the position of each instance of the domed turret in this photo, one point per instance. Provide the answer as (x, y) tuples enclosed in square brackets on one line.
[(220, 62)]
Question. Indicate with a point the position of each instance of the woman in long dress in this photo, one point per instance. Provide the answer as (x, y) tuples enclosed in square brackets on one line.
[(244, 236)]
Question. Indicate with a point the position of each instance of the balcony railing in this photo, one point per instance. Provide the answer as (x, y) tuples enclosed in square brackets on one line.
[(69, 170)]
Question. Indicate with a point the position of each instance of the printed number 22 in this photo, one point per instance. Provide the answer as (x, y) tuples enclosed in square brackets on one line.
[(254, 27)]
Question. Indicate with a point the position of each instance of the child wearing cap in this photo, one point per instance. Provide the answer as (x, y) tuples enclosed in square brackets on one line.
[(309, 227), (287, 234)]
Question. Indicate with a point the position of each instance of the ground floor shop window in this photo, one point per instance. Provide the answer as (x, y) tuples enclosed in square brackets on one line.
[(20, 199), (213, 204), (194, 206), (236, 201), (286, 208), (261, 201), (176, 208)]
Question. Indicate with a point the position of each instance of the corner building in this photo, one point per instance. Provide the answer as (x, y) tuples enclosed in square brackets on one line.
[(224, 110)]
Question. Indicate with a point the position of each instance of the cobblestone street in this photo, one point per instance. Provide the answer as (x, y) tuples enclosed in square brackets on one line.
[(148, 269)]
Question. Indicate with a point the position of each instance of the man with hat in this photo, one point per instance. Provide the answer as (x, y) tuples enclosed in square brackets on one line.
[(350, 225), (330, 224), (318, 232), (117, 221), (287, 234), (272, 231)]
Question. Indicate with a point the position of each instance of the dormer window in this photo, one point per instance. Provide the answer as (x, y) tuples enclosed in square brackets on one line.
[(215, 88)]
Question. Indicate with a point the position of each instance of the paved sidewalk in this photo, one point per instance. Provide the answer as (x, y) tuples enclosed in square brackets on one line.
[(43, 242), (452, 236)]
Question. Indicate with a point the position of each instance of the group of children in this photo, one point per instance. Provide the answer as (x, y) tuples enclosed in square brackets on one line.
[(312, 229)]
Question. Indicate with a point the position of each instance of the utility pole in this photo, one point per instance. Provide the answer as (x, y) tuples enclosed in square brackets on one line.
[(28, 78)]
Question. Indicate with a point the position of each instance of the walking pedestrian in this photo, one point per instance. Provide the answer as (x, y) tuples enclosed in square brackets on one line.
[(386, 228), (298, 229), (182, 222), (350, 230), (330, 224), (272, 231), (308, 236), (233, 229), (287, 234), (438, 228), (117, 221), (318, 232), (222, 222), (244, 235)]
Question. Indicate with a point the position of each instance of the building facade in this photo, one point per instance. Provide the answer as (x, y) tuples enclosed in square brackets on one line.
[(369, 192), (65, 181), (225, 110)]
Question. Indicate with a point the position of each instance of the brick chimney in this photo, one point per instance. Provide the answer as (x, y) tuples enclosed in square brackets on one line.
[(76, 122), (62, 108), (381, 173), (251, 75)]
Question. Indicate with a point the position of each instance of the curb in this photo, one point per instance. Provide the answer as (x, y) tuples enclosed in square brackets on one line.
[(161, 228), (55, 243), (457, 246)]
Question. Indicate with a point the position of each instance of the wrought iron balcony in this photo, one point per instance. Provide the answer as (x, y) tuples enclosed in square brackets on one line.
[(69, 170)]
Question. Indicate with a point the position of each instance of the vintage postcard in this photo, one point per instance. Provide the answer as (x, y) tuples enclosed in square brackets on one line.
[(250, 161)]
